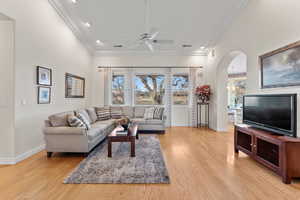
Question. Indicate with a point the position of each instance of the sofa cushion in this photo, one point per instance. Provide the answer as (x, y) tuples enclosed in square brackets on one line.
[(85, 119), (60, 119), (149, 113), (116, 112), (158, 112), (138, 120), (84, 114), (75, 121), (128, 111), (92, 113), (100, 128), (103, 113), (139, 112)]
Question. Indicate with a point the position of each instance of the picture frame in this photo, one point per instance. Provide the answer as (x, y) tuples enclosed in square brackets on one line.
[(44, 76), (44, 95), (281, 67), (74, 86)]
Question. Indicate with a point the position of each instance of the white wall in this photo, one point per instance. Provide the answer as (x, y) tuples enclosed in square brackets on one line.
[(42, 39), (6, 88), (263, 26), (180, 114)]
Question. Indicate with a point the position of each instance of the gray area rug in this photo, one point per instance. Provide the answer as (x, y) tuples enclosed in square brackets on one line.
[(147, 167)]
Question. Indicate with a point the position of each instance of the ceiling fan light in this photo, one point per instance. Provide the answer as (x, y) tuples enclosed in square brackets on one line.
[(88, 24)]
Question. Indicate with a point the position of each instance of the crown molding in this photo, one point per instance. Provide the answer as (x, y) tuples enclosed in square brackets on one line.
[(61, 11), (148, 53)]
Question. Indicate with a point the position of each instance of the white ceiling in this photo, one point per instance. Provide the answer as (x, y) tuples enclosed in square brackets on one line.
[(196, 22)]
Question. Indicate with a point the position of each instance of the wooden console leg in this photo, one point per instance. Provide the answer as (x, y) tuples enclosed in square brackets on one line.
[(49, 154)]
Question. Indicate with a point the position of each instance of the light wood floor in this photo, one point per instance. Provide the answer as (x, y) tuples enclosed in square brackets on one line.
[(201, 164)]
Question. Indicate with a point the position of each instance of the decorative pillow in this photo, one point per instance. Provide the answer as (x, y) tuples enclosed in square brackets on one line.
[(92, 113), (84, 119), (75, 122), (103, 113), (83, 113), (149, 112), (139, 112), (158, 113), (60, 119), (116, 112), (128, 111)]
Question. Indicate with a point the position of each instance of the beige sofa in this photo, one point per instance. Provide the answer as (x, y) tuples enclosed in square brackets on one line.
[(60, 137)]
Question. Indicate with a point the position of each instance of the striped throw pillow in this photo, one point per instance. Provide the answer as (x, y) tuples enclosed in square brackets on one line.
[(103, 113), (116, 112), (75, 121), (158, 113), (85, 120)]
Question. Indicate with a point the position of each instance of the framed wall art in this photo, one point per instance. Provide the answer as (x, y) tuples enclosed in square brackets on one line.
[(75, 86), (281, 68), (44, 95), (44, 76)]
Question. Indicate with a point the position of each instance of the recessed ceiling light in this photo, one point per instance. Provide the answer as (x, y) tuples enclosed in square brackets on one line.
[(87, 24), (203, 47), (74, 1)]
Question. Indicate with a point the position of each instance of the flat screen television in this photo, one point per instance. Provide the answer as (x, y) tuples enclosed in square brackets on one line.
[(276, 113)]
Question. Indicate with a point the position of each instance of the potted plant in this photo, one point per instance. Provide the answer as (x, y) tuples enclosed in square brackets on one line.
[(203, 93)]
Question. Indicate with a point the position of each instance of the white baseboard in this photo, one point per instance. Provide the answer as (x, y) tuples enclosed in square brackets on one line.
[(7, 161), (23, 156)]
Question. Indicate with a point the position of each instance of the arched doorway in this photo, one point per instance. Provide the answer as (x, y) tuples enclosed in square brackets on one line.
[(231, 68)]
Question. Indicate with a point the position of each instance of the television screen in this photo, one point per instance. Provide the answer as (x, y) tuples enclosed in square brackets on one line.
[(273, 112)]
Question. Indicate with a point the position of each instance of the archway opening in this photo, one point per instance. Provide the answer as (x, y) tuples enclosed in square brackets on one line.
[(236, 87), (231, 86)]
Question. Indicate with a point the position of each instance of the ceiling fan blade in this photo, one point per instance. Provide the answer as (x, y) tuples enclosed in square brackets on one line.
[(153, 35), (149, 45), (163, 41)]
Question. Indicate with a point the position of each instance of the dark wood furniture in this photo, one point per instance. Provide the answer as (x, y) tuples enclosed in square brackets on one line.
[(202, 122), (132, 135), (278, 153)]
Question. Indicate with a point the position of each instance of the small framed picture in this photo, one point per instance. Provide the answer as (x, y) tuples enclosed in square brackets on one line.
[(44, 76), (44, 95)]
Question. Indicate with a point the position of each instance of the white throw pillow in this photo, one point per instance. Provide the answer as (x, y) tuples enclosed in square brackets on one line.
[(149, 113), (84, 119)]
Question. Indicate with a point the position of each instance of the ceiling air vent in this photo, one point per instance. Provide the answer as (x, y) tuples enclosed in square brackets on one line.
[(187, 45), (118, 46)]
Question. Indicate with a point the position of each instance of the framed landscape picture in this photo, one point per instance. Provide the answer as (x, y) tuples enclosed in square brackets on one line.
[(281, 68), (44, 76), (44, 95), (75, 86)]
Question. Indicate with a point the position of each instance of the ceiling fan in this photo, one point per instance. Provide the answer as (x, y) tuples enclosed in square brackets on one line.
[(149, 37)]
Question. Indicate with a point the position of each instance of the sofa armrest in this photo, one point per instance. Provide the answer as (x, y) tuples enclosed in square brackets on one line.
[(65, 131)]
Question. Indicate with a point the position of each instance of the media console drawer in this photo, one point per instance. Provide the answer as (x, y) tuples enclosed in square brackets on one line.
[(278, 153)]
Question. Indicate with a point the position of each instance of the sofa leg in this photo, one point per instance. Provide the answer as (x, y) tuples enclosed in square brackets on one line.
[(49, 154), (86, 154)]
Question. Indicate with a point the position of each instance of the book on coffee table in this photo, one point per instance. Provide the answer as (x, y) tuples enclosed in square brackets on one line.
[(121, 133)]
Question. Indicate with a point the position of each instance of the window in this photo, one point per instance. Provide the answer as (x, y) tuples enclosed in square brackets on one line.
[(149, 89), (118, 82), (180, 87)]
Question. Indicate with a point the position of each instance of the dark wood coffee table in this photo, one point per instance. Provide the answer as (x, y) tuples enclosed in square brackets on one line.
[(131, 136)]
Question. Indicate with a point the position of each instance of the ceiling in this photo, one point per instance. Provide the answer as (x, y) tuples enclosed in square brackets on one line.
[(113, 22)]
